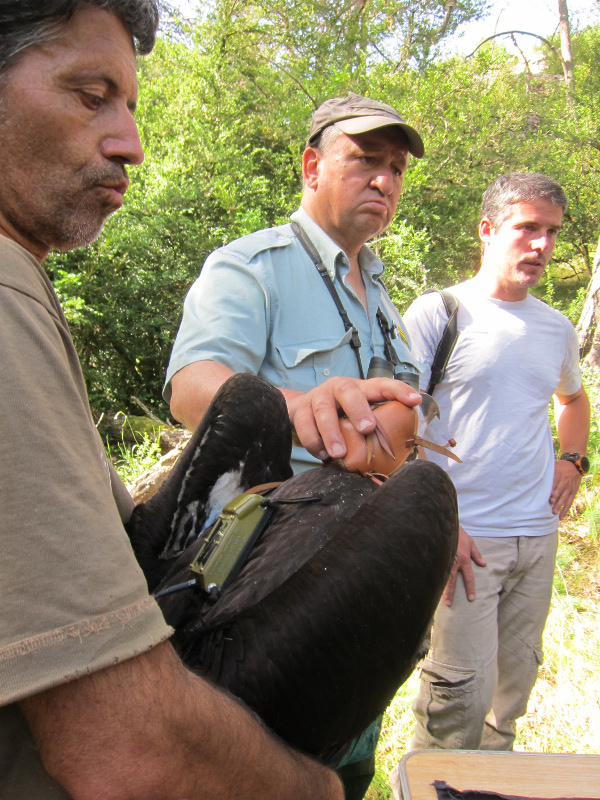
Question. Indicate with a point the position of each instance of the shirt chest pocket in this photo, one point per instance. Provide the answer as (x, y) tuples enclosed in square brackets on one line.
[(310, 363)]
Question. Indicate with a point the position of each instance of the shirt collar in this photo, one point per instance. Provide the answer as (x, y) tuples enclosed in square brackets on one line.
[(330, 252)]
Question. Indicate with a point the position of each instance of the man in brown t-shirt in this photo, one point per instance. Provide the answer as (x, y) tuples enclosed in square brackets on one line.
[(93, 700)]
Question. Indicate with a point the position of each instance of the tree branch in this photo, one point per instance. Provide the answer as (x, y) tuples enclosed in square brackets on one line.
[(148, 413), (510, 33), (549, 44)]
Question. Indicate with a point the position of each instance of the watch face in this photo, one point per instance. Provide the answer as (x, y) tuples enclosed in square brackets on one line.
[(581, 462)]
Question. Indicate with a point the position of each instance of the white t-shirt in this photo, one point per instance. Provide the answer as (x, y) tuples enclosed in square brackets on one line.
[(510, 358)]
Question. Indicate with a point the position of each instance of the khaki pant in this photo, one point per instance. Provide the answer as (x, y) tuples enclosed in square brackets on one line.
[(484, 657)]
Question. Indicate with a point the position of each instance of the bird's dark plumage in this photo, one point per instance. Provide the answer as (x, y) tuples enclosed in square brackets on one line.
[(327, 617), (243, 439)]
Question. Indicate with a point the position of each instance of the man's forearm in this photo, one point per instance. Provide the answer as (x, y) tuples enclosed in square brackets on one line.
[(193, 388), (573, 422), (148, 729)]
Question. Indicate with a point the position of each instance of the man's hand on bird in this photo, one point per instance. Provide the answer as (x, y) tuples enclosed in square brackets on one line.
[(466, 552), (315, 415)]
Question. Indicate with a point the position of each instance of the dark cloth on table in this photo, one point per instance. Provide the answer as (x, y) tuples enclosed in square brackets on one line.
[(445, 792)]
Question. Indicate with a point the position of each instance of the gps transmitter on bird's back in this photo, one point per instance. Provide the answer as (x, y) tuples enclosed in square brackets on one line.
[(229, 542)]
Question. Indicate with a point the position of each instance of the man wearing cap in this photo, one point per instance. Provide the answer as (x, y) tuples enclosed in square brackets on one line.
[(261, 305)]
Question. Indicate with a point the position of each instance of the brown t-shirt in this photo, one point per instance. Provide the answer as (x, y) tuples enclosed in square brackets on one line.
[(73, 598)]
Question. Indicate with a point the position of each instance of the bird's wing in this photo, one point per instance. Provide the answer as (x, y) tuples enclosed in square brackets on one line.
[(244, 439), (323, 653)]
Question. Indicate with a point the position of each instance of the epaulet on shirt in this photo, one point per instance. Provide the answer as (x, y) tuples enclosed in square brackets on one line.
[(249, 246)]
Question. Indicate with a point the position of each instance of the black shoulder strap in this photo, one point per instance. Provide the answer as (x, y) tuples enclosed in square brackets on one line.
[(306, 243), (386, 330), (448, 340)]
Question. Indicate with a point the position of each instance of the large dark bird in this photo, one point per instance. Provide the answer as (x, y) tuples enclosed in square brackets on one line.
[(243, 440), (327, 617)]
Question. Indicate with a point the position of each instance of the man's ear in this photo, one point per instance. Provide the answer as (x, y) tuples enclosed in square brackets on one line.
[(485, 230), (310, 167)]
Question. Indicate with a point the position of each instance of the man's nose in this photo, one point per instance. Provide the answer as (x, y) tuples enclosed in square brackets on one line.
[(384, 181), (540, 242), (122, 141)]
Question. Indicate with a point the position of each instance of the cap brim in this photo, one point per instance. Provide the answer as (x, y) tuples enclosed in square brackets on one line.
[(372, 123)]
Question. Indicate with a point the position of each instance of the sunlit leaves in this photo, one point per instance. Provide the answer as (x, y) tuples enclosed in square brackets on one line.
[(224, 111)]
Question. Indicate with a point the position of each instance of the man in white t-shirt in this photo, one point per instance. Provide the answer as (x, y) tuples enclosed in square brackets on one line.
[(513, 354)]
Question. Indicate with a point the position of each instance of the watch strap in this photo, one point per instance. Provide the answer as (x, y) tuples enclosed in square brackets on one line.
[(580, 461)]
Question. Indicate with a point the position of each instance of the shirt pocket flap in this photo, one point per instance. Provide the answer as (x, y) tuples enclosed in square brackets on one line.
[(294, 354)]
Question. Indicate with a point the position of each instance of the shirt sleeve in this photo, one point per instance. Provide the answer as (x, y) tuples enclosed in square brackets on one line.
[(73, 598), (570, 376), (225, 317)]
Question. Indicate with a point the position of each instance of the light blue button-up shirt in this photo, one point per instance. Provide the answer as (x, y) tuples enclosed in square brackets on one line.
[(261, 306)]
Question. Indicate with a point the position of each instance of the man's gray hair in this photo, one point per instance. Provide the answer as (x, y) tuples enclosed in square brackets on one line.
[(324, 140), (25, 23), (519, 187)]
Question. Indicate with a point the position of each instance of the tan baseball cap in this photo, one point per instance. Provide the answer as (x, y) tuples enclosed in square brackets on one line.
[(356, 114)]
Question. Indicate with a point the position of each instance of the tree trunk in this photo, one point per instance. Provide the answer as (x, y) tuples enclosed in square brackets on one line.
[(588, 327), (565, 46)]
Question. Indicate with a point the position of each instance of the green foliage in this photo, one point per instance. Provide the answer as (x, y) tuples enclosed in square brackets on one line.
[(480, 118), (224, 109), (131, 461), (592, 515), (589, 494), (404, 252), (592, 386)]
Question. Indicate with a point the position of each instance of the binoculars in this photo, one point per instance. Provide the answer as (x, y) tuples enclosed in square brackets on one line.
[(382, 368)]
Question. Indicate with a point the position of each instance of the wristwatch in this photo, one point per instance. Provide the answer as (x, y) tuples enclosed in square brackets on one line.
[(581, 462)]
